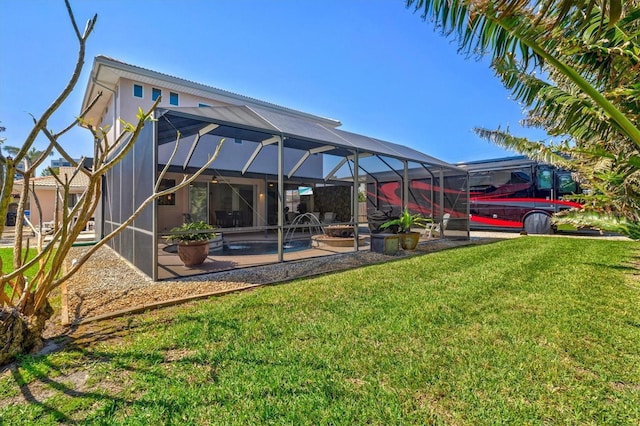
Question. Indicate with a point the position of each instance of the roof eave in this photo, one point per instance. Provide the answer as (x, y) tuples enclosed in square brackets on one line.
[(102, 62)]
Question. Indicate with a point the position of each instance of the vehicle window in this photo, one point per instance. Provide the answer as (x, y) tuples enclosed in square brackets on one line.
[(545, 178), (566, 184)]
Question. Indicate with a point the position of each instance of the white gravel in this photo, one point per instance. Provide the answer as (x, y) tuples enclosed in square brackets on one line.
[(106, 283)]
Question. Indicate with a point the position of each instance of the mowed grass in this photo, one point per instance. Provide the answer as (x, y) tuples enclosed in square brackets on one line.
[(6, 254), (525, 331)]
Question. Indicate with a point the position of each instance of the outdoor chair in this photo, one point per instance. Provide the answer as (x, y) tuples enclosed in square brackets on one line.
[(328, 217), (436, 226)]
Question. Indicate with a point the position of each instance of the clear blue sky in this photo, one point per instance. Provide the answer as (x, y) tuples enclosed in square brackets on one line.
[(372, 64)]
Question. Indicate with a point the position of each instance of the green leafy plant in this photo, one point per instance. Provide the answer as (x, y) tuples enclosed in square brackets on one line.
[(192, 232), (406, 221), (573, 66)]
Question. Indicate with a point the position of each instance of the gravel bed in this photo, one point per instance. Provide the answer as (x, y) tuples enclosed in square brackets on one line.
[(106, 283)]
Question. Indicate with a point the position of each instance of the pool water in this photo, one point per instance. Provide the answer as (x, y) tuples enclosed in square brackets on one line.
[(243, 248)]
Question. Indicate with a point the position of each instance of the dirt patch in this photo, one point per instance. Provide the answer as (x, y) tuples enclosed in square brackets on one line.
[(42, 389)]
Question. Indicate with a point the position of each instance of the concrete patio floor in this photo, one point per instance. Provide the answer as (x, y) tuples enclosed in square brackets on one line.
[(170, 266)]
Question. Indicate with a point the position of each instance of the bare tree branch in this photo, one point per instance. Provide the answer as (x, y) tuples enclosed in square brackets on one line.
[(137, 212), (80, 118), (42, 122)]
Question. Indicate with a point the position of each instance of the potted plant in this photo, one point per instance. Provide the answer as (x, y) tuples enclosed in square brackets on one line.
[(192, 239), (408, 239)]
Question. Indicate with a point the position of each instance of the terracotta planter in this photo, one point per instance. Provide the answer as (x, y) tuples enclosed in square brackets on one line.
[(194, 253), (409, 240)]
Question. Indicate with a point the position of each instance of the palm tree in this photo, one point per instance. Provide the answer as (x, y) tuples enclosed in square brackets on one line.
[(587, 54), (535, 34), (32, 155)]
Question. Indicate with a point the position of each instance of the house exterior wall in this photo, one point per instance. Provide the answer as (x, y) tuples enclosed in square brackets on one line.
[(47, 199), (232, 156), (120, 103), (127, 104), (46, 192), (170, 216)]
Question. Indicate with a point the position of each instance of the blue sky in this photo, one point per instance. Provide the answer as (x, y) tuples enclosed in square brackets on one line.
[(372, 64)]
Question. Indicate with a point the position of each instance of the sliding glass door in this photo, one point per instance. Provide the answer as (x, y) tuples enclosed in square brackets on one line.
[(232, 205)]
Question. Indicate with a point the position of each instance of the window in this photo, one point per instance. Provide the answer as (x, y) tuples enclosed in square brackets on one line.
[(137, 91), (566, 184), (169, 199), (545, 179), (72, 200), (202, 105), (173, 98), (155, 93)]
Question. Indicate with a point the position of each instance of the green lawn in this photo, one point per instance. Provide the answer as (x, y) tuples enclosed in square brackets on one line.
[(6, 253), (525, 331)]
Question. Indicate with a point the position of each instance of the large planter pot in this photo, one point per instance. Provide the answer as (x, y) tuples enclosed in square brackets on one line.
[(409, 240), (193, 253)]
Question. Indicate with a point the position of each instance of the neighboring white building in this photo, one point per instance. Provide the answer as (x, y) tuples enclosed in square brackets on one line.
[(63, 162)]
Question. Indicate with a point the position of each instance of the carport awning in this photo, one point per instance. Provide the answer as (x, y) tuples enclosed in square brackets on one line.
[(258, 124)]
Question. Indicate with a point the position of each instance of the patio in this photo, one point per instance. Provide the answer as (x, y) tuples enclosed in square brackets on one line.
[(171, 267), (271, 170)]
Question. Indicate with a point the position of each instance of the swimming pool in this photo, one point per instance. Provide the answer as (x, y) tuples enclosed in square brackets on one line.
[(244, 248), (241, 248)]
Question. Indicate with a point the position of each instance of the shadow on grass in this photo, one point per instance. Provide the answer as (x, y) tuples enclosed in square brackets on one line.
[(103, 399), (102, 403), (625, 268), (72, 380)]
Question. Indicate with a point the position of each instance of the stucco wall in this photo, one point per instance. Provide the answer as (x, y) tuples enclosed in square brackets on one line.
[(47, 199), (128, 104)]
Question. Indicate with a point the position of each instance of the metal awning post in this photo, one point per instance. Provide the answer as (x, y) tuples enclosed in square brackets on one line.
[(432, 182), (441, 214), (154, 220), (405, 186), (265, 206), (280, 199), (356, 204)]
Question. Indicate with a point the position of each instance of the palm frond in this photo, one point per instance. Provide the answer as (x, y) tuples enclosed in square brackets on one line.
[(512, 29), (533, 149), (602, 221)]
